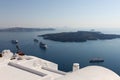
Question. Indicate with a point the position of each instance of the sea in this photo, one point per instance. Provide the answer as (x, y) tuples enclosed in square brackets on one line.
[(67, 53)]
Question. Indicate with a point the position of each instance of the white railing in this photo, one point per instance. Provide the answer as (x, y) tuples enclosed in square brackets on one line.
[(27, 69)]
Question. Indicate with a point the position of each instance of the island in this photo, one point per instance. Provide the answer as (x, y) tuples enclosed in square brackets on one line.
[(79, 36), (20, 29)]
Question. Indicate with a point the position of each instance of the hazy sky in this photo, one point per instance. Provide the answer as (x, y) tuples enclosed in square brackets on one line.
[(59, 13)]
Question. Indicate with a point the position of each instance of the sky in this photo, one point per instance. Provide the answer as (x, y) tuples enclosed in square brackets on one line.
[(60, 13)]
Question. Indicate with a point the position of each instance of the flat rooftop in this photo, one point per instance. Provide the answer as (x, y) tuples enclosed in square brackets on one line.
[(32, 69), (12, 73)]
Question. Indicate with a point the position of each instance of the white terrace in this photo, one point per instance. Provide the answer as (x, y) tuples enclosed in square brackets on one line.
[(16, 67)]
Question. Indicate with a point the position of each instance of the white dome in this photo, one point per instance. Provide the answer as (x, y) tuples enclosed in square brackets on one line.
[(91, 73)]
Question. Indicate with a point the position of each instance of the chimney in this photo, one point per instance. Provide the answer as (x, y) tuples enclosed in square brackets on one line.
[(76, 66)]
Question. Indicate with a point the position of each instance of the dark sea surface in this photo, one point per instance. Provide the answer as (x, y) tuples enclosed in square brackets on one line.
[(65, 53)]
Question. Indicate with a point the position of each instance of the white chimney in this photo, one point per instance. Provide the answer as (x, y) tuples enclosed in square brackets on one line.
[(76, 66)]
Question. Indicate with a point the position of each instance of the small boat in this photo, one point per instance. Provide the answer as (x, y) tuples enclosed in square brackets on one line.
[(36, 40), (42, 45), (14, 41), (96, 60)]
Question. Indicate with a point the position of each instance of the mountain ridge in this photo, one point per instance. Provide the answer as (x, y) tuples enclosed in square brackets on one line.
[(21, 29)]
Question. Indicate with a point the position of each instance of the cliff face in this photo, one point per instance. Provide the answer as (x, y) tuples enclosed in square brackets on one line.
[(80, 36), (18, 29)]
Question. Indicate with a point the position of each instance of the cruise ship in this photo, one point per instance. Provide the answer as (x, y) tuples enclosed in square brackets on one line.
[(26, 67)]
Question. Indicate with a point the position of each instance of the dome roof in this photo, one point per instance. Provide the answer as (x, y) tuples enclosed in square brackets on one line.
[(91, 73)]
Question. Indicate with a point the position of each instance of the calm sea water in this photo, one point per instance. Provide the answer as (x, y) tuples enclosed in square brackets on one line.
[(65, 53)]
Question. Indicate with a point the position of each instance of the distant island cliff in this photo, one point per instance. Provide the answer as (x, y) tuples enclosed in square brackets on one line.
[(79, 36), (19, 29)]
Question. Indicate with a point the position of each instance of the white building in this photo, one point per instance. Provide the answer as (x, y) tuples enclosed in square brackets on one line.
[(33, 68)]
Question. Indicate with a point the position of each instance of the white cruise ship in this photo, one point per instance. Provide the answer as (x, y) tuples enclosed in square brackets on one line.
[(24, 67)]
